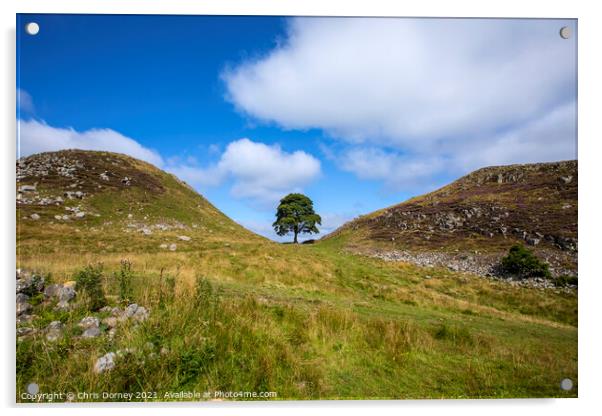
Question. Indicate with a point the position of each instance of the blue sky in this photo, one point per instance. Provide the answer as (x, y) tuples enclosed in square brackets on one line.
[(358, 114)]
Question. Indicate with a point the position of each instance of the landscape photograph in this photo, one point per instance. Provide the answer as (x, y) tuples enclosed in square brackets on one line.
[(267, 208)]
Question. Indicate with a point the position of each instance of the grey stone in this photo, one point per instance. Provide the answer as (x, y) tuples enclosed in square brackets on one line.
[(52, 290), (141, 314), (184, 238), (34, 217), (24, 330), (105, 363), (62, 306), (66, 294), (23, 284), (91, 332), (89, 322), (23, 307), (130, 310), (27, 188), (54, 330), (21, 298)]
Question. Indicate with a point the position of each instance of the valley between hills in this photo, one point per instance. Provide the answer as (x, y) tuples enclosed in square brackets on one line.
[(128, 280)]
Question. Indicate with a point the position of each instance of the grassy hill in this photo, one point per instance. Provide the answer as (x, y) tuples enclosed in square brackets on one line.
[(232, 311), (481, 215)]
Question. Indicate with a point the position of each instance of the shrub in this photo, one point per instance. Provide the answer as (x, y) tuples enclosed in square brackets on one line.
[(124, 278), (88, 281), (523, 263), (564, 280)]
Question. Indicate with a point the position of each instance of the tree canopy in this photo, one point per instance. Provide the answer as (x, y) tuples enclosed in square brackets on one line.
[(296, 215)]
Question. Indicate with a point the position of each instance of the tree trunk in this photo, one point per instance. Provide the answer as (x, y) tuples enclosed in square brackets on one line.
[(295, 240)]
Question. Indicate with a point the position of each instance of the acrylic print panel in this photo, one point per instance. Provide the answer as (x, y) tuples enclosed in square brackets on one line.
[(281, 208)]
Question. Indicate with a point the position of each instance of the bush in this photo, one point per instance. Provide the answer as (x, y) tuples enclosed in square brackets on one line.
[(88, 281), (523, 263), (124, 278), (564, 280)]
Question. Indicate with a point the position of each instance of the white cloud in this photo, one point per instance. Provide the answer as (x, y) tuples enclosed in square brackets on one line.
[(36, 136), (407, 82), (394, 169), (259, 172), (549, 138), (24, 101), (546, 139), (417, 97)]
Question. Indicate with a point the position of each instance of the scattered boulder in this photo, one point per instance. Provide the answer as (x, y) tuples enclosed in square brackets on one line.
[(34, 217), (141, 314), (173, 247), (105, 363), (92, 332), (23, 308), (89, 322), (63, 306), (22, 298), (110, 321), (66, 293), (184, 238), (30, 284), (80, 214), (24, 318), (24, 331), (54, 330), (27, 188), (135, 312), (53, 290), (130, 311)]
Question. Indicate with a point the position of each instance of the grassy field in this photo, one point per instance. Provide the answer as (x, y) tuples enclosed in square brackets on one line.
[(231, 311), (311, 322)]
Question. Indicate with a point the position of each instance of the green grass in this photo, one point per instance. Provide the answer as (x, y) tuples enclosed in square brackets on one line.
[(312, 322), (232, 311)]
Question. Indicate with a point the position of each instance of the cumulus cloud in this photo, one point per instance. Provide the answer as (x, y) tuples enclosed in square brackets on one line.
[(413, 97), (396, 170), (24, 101), (549, 138), (545, 139), (261, 172), (36, 136), (258, 171), (407, 82)]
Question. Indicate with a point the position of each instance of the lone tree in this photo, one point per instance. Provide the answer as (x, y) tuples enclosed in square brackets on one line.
[(296, 214)]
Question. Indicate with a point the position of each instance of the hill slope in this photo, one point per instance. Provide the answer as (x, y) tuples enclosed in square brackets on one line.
[(230, 311), (101, 201), (474, 220)]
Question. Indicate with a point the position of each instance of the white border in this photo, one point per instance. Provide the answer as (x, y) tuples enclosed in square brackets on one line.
[(590, 34)]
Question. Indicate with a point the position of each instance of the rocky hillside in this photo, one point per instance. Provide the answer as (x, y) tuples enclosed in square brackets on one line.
[(101, 202), (470, 223)]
